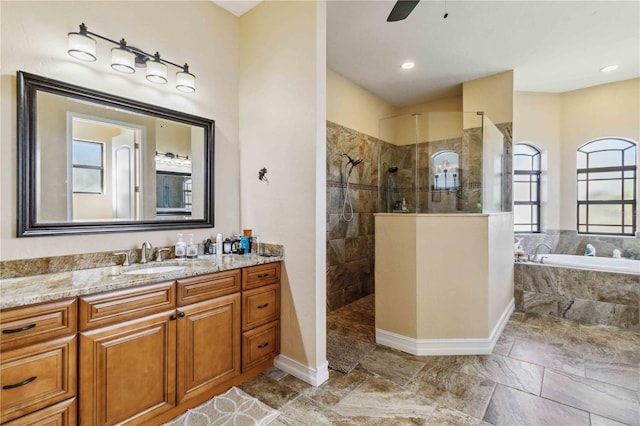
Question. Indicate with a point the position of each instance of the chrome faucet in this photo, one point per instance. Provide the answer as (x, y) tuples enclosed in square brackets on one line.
[(535, 252), (143, 255)]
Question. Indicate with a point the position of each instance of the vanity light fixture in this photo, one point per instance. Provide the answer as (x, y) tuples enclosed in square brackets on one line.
[(125, 59), (609, 68), (408, 65)]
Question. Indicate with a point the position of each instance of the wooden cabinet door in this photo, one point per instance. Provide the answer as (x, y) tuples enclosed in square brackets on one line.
[(127, 370), (208, 344)]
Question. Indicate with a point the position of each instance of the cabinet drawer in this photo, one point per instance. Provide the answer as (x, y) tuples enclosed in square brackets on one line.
[(260, 344), (62, 414), (121, 305), (260, 306), (36, 323), (257, 276), (36, 376), (203, 287)]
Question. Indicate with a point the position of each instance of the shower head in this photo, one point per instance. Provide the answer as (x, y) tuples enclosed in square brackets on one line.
[(393, 169), (352, 161)]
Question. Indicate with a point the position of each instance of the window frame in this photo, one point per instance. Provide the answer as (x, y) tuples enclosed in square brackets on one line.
[(75, 165), (623, 169), (534, 177)]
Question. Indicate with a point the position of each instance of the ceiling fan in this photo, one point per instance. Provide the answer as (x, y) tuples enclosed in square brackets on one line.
[(402, 9)]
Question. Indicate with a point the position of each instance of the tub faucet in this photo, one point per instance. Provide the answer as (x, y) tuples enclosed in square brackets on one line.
[(143, 255), (535, 252), (590, 250)]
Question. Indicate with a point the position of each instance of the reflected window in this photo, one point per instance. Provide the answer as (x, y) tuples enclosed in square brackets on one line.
[(607, 187), (88, 167), (526, 188), (445, 166)]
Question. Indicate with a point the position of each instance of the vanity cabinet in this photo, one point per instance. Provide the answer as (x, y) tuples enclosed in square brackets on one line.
[(38, 363), (260, 314), (137, 369), (139, 355)]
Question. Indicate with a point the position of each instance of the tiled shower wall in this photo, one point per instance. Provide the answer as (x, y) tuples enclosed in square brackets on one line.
[(351, 244)]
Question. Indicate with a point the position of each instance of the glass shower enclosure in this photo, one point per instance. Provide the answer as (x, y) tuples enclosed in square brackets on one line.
[(443, 162)]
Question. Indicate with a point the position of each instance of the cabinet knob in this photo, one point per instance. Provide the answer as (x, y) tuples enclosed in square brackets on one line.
[(181, 314), (173, 317), (264, 345), (18, 330), (263, 306), (22, 383)]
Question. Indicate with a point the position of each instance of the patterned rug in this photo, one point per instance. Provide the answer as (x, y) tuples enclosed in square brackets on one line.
[(233, 407), (343, 354)]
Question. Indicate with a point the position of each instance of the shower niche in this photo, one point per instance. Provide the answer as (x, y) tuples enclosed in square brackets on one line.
[(442, 162)]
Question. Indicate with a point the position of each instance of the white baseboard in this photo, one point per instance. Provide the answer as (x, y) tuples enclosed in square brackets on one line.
[(313, 376), (477, 346)]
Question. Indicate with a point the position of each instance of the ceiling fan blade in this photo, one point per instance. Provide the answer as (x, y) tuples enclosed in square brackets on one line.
[(402, 9)]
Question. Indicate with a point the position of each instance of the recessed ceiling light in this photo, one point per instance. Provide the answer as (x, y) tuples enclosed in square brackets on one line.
[(609, 68), (408, 65)]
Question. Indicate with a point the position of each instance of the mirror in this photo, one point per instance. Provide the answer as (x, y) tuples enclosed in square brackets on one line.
[(91, 162)]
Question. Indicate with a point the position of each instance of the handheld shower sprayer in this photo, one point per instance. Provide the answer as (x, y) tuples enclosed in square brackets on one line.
[(347, 197)]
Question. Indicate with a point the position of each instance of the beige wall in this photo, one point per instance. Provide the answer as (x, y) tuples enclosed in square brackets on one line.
[(537, 118), (354, 107), (422, 292), (500, 249), (493, 95), (283, 128), (591, 113), (560, 123), (34, 39)]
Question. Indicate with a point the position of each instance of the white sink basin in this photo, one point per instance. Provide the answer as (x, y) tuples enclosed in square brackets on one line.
[(154, 270)]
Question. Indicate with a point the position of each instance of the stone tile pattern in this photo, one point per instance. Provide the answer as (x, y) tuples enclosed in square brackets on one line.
[(523, 385), (570, 242), (590, 297), (77, 262), (351, 244)]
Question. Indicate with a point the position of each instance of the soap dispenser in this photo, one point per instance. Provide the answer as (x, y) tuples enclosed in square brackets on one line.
[(192, 248), (181, 248)]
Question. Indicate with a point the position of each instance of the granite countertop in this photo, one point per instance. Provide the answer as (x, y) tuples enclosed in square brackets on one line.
[(46, 287)]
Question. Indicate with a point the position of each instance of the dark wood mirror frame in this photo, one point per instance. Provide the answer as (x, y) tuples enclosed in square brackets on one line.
[(28, 86)]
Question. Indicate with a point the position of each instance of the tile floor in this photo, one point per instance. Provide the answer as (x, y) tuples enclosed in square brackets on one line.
[(543, 371)]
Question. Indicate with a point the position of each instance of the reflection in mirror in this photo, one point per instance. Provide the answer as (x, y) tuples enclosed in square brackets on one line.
[(93, 162)]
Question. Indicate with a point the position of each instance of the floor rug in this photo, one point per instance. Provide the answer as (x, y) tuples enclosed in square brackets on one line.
[(343, 354), (233, 407)]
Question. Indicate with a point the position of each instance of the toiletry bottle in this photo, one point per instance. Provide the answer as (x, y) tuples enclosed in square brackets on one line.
[(181, 248), (404, 205), (226, 246), (245, 244), (192, 248), (219, 243)]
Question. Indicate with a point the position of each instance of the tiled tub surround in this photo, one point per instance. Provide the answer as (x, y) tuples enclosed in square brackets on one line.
[(589, 297), (42, 288), (570, 242)]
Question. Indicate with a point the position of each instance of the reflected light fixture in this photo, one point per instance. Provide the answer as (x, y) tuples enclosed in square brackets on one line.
[(408, 65), (125, 59), (609, 68)]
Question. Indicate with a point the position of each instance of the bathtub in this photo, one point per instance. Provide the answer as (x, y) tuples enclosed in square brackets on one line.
[(608, 264)]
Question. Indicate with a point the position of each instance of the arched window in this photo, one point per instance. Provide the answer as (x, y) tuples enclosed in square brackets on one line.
[(445, 166), (607, 187), (526, 188)]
